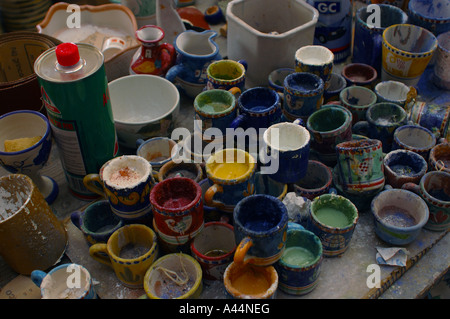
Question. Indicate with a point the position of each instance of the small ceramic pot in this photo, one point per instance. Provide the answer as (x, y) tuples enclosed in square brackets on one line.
[(226, 74), (433, 16), (315, 59), (395, 92), (439, 159), (399, 216), (184, 169), (276, 78), (317, 181), (414, 138), (158, 150), (357, 99), (403, 166), (360, 74), (264, 184)]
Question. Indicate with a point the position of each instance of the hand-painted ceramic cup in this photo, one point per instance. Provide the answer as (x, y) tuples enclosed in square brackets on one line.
[(360, 74), (368, 36), (360, 166), (439, 159), (276, 78), (31, 237), (328, 127), (300, 265), (232, 173), (382, 119), (357, 99), (433, 15), (226, 74), (407, 49), (126, 182), (158, 150), (441, 70), (177, 206), (315, 59), (129, 252), (399, 216), (286, 144), (97, 222), (337, 84), (246, 281), (434, 117), (414, 138), (264, 184), (174, 276), (186, 169), (260, 225), (403, 166), (259, 107), (66, 281), (434, 188), (214, 249), (303, 94), (316, 182), (395, 92), (333, 219)]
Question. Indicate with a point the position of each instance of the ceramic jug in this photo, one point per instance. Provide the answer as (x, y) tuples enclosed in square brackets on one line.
[(153, 57), (195, 51)]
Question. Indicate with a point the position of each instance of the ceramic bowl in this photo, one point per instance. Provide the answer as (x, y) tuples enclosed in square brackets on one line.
[(399, 215), (174, 276), (360, 74), (403, 166), (439, 158), (109, 20), (143, 106), (29, 161)]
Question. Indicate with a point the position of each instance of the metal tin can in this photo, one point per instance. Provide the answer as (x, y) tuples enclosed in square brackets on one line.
[(74, 91)]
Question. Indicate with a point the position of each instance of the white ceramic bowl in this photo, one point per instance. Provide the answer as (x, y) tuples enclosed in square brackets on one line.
[(143, 106)]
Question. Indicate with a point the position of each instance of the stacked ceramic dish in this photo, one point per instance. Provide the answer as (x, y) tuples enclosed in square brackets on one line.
[(20, 15)]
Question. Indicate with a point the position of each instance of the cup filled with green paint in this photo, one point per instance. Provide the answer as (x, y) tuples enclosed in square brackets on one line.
[(333, 219)]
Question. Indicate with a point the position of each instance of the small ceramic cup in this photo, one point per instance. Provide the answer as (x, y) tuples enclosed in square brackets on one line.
[(260, 225), (264, 184), (439, 159), (382, 119), (441, 70), (214, 249), (286, 149), (316, 182), (66, 281), (97, 222), (232, 173), (126, 182), (395, 92), (357, 99), (360, 166), (434, 188), (403, 166), (360, 74), (406, 51), (303, 94), (250, 282), (177, 206), (300, 265), (315, 59), (157, 150), (226, 74), (337, 84), (414, 138), (333, 219), (129, 252), (329, 126), (184, 169), (276, 78), (433, 16), (399, 215)]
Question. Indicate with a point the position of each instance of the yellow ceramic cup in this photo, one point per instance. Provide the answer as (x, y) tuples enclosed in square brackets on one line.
[(130, 251)]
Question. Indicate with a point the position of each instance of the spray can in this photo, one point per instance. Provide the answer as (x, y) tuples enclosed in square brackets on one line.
[(74, 90), (334, 26)]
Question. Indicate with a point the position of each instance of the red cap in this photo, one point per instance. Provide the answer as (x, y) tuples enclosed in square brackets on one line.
[(67, 54)]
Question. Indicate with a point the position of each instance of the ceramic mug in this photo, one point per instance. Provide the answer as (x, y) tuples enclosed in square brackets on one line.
[(414, 138), (368, 36), (382, 121), (126, 182), (303, 94), (66, 281), (403, 166), (357, 99), (130, 251), (226, 74), (316, 182), (333, 219), (31, 237), (97, 222), (433, 16), (157, 150), (337, 84), (395, 92), (432, 116), (186, 169), (315, 59), (276, 78), (439, 159), (360, 74), (328, 126), (260, 225), (288, 145), (441, 70), (232, 173), (360, 165), (214, 249), (407, 49), (434, 188)]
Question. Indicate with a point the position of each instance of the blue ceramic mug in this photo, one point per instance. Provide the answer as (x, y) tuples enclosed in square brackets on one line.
[(260, 225), (431, 15)]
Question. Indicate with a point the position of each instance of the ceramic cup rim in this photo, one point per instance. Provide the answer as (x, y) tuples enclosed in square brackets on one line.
[(329, 55), (382, 5), (173, 145), (250, 160), (402, 111), (422, 16), (394, 49), (323, 167), (160, 32), (94, 205), (223, 61), (276, 71), (338, 130), (296, 126), (387, 163), (400, 142), (357, 87), (377, 88), (308, 76), (363, 66), (425, 192), (144, 179), (225, 112), (268, 110), (350, 225)]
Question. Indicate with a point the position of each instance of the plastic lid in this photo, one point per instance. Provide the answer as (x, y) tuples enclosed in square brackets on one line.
[(67, 54)]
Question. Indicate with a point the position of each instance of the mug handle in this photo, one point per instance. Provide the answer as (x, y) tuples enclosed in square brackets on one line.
[(234, 90), (209, 196), (75, 217), (37, 276), (410, 97), (239, 121), (99, 252), (244, 63), (169, 48), (241, 251), (93, 183), (411, 187)]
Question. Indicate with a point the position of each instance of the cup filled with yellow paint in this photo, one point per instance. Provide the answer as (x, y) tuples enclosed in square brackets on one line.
[(333, 219), (232, 173)]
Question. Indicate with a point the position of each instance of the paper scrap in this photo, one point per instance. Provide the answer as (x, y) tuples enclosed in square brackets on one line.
[(393, 256)]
